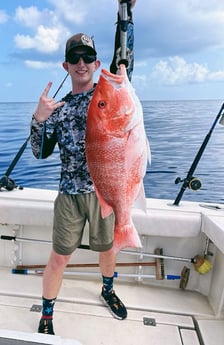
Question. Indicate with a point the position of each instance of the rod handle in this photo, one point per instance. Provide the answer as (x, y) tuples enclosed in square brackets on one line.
[(19, 271), (9, 238), (172, 277)]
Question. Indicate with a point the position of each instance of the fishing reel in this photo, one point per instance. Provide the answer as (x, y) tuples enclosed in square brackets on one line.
[(193, 183), (123, 60), (7, 183)]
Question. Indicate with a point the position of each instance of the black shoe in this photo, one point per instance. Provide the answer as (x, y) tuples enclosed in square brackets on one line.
[(114, 304), (46, 326)]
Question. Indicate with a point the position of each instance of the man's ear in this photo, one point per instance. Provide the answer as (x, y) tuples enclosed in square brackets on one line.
[(65, 65), (97, 64)]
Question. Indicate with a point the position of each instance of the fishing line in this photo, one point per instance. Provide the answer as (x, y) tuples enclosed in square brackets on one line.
[(5, 181)]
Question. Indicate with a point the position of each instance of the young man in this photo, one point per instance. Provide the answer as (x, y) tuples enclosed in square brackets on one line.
[(64, 123)]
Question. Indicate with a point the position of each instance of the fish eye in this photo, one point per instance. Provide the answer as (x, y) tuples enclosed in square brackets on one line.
[(101, 104)]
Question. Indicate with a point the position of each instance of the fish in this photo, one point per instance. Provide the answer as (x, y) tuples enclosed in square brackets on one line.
[(117, 152)]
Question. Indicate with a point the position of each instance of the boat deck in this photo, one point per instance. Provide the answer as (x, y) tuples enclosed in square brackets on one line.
[(155, 314)]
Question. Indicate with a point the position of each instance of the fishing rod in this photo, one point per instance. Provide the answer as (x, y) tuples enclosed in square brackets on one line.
[(5, 181), (190, 181), (123, 53)]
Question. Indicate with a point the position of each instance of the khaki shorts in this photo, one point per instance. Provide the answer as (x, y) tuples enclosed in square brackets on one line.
[(70, 215)]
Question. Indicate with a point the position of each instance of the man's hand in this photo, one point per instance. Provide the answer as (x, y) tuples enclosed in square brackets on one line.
[(130, 5), (46, 105)]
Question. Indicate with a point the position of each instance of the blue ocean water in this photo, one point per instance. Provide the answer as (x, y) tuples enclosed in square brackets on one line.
[(175, 129)]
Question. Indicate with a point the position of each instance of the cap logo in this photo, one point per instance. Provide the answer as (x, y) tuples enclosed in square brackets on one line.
[(87, 41)]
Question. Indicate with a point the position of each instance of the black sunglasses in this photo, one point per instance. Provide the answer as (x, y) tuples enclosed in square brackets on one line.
[(87, 58)]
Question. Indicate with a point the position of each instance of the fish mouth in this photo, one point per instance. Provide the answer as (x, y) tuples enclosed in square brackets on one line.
[(115, 78)]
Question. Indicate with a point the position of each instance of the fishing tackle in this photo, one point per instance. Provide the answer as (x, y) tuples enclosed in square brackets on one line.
[(189, 181), (5, 181)]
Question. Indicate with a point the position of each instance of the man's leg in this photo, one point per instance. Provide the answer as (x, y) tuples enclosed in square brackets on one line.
[(107, 262), (52, 280)]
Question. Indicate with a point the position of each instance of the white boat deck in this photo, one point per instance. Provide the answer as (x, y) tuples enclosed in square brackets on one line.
[(155, 314), (159, 313)]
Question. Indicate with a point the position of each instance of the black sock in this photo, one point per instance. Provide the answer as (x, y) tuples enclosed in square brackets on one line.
[(48, 308), (108, 284)]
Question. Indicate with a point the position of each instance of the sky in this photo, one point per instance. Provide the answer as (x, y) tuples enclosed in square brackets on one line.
[(179, 46)]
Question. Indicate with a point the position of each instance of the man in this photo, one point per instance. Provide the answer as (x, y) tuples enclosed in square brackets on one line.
[(64, 123)]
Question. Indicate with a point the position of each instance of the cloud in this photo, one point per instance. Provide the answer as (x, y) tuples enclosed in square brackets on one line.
[(216, 76), (41, 64), (175, 71), (179, 27), (29, 17), (48, 32), (3, 17), (67, 16), (72, 11), (169, 30), (46, 40)]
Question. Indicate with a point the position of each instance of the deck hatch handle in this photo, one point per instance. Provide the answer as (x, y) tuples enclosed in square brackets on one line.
[(149, 321)]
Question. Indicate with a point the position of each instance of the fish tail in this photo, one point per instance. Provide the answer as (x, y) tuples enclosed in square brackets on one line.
[(126, 237)]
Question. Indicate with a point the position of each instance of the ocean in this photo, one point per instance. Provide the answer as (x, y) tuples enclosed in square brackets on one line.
[(175, 130)]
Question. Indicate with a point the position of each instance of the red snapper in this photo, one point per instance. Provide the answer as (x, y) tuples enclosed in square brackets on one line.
[(117, 151)]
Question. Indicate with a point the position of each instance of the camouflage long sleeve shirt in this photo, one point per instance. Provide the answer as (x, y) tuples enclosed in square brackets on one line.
[(67, 126)]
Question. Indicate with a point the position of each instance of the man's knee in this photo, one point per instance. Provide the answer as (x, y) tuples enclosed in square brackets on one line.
[(58, 261)]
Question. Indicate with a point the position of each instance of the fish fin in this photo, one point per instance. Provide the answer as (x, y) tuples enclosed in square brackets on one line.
[(140, 201), (149, 156), (126, 238), (106, 209)]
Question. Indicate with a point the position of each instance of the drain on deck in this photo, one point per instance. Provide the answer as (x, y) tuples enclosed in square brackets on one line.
[(36, 308), (148, 321)]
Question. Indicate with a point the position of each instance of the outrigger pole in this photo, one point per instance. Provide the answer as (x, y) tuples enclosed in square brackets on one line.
[(190, 181), (5, 181)]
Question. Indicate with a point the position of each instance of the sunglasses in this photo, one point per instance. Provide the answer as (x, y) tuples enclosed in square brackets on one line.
[(87, 58)]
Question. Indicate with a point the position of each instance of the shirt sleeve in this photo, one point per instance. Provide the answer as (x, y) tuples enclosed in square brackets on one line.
[(42, 138)]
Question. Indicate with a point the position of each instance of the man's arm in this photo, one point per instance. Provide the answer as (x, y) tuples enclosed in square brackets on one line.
[(42, 134), (42, 144)]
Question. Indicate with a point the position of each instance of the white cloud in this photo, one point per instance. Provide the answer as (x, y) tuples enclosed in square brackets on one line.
[(216, 76), (41, 64), (48, 31), (72, 10), (3, 17), (46, 40), (30, 16), (175, 70), (179, 27), (64, 18)]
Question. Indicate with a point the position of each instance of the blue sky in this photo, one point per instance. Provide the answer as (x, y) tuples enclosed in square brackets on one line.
[(179, 45)]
